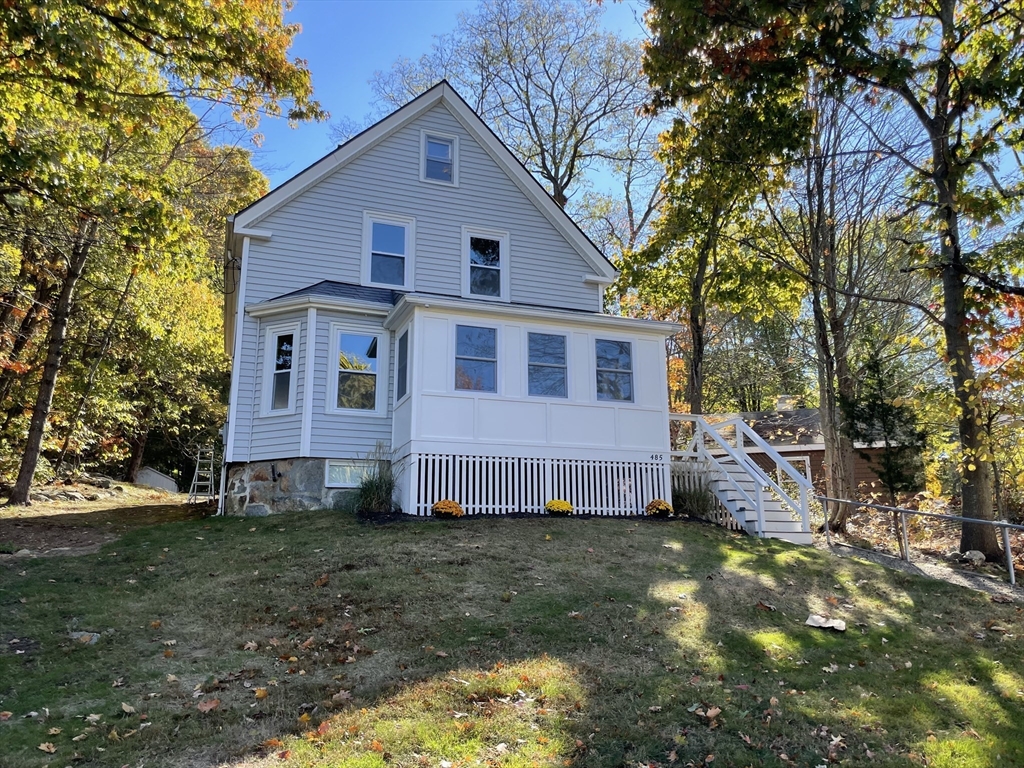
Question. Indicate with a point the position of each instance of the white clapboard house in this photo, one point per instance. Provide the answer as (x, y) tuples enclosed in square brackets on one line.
[(418, 289)]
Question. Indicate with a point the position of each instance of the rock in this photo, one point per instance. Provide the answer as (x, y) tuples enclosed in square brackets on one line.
[(119, 488), (86, 638), (38, 497), (953, 554), (74, 496), (974, 557), (256, 510), (102, 482), (23, 553), (814, 620), (92, 497)]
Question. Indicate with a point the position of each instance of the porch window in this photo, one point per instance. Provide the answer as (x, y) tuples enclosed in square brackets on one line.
[(614, 370), (476, 358), (357, 371), (485, 264), (402, 366), (546, 370), (388, 251)]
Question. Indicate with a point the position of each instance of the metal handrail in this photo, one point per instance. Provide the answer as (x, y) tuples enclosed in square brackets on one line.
[(1003, 525)]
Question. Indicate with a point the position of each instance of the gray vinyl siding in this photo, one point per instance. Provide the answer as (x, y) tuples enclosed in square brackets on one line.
[(245, 398), (278, 437), (318, 235), (343, 436)]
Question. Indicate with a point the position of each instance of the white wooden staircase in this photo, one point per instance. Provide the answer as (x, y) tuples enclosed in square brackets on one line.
[(718, 458)]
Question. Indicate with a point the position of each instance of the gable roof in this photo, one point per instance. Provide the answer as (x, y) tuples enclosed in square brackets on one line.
[(442, 93)]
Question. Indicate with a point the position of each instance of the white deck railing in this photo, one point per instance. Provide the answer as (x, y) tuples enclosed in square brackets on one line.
[(501, 485)]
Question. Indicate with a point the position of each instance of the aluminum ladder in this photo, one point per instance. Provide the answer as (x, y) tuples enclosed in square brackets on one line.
[(203, 490)]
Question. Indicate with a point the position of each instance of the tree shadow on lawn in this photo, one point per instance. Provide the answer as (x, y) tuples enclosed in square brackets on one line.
[(525, 642), (715, 675)]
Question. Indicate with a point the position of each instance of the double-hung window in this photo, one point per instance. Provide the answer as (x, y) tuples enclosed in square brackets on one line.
[(388, 251), (485, 264), (439, 158), (546, 370), (476, 358), (614, 370), (359, 380), (279, 369)]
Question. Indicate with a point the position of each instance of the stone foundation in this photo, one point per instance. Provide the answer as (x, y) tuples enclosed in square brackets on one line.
[(265, 488)]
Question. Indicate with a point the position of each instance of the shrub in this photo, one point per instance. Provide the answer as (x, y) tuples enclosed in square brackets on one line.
[(698, 502), (558, 508), (658, 508), (446, 508), (375, 496)]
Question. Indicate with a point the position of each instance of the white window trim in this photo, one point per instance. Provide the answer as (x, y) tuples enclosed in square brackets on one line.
[(408, 365), (269, 350), (503, 261), (383, 352), (632, 371), (369, 217), (327, 472), (472, 322), (455, 157), (549, 331)]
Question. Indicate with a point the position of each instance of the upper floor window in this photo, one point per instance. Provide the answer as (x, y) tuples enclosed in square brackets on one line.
[(388, 250), (614, 370), (485, 264), (279, 369), (439, 158), (476, 358), (357, 379), (546, 372)]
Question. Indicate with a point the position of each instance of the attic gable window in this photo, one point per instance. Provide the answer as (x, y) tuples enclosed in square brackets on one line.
[(484, 264), (388, 250), (439, 158)]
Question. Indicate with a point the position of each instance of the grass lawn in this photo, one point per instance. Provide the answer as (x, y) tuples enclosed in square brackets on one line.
[(310, 639)]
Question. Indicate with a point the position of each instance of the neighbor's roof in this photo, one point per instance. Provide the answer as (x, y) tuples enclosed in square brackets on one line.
[(442, 93)]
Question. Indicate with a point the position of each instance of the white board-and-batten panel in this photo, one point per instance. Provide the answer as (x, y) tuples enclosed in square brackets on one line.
[(277, 436), (347, 435), (319, 234)]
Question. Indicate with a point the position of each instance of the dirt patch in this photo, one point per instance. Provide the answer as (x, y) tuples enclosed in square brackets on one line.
[(52, 529)]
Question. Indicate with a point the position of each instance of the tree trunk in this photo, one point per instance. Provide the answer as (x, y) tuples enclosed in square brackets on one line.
[(138, 446), (977, 469), (51, 367)]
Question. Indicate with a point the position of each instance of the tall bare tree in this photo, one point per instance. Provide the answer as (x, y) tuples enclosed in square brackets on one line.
[(544, 75)]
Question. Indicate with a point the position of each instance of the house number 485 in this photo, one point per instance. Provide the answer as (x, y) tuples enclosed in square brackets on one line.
[(657, 457)]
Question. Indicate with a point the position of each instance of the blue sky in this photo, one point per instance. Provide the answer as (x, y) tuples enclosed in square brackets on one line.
[(345, 41)]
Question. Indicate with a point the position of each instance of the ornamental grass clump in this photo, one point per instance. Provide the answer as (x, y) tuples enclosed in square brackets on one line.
[(447, 508), (658, 508), (558, 508)]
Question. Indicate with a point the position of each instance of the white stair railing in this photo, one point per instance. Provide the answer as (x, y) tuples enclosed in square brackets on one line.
[(697, 448)]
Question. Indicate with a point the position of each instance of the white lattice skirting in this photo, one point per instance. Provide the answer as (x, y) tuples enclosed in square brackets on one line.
[(495, 485)]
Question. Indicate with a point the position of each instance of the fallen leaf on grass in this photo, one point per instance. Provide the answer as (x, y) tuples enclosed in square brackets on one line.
[(47, 747), (341, 696), (713, 712), (80, 737), (1001, 599), (5, 716), (53, 732), (252, 645), (168, 653), (765, 606), (322, 581), (128, 709), (93, 718), (654, 709), (208, 706), (284, 755), (273, 743), (442, 654), (304, 718), (261, 693), (155, 624), (308, 644)]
